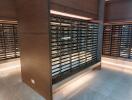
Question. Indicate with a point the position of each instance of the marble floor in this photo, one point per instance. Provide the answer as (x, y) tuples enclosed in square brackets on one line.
[(108, 84)]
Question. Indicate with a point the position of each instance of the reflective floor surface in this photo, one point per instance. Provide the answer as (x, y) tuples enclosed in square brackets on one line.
[(108, 84)]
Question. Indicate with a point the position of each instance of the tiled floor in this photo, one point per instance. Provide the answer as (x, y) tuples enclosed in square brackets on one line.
[(107, 84)]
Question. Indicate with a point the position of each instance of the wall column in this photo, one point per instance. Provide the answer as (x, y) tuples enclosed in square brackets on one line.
[(33, 21), (101, 27)]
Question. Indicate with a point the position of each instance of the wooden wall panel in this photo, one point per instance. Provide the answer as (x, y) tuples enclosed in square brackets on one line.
[(7, 10), (88, 8), (33, 21), (119, 10)]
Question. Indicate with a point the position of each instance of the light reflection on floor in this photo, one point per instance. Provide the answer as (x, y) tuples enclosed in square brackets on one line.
[(11, 85), (73, 86), (108, 84)]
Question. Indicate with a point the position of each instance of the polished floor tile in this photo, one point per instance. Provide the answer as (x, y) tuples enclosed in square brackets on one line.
[(106, 84), (12, 87)]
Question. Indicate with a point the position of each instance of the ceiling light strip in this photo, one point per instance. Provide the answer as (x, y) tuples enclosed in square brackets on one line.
[(69, 15)]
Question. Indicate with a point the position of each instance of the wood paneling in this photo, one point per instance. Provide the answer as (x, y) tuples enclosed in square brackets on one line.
[(88, 8), (119, 10), (33, 18), (7, 10)]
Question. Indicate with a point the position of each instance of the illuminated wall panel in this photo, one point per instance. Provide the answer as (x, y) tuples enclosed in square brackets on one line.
[(9, 41), (74, 45), (117, 41)]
